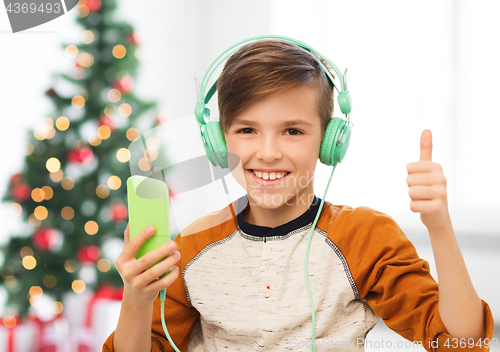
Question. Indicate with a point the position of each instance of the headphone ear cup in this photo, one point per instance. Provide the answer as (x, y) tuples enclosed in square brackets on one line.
[(330, 153), (216, 149)]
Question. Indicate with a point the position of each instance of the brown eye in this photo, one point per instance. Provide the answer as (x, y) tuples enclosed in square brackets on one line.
[(244, 130), (294, 130)]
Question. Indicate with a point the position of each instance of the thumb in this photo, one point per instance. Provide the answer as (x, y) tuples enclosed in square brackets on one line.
[(426, 145)]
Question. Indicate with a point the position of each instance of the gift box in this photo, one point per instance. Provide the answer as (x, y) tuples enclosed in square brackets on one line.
[(34, 335), (52, 335), (18, 336), (92, 317)]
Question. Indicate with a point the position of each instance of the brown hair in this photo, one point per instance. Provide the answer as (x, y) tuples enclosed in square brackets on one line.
[(264, 68)]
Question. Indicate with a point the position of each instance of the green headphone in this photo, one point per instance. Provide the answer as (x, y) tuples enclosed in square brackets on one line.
[(337, 134)]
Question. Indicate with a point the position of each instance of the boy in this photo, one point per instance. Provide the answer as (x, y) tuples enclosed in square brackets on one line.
[(242, 286)]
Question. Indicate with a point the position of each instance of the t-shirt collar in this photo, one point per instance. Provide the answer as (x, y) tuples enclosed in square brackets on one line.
[(263, 231)]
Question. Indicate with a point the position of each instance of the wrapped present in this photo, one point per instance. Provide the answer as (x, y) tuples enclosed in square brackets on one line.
[(75, 308), (18, 335), (51, 335), (103, 313), (96, 317)]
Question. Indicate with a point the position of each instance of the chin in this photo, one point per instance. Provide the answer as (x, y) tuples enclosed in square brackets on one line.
[(267, 201)]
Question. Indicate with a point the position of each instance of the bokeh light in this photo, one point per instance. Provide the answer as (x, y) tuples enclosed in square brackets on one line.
[(102, 191), (70, 265), (67, 183), (15, 209), (67, 213), (114, 182), (56, 176), (62, 123), (41, 212), (125, 110), (53, 164), (71, 51), (132, 134), (103, 132), (87, 37), (85, 60), (123, 155), (29, 262), (114, 95), (78, 286), (37, 194), (104, 265), (119, 51), (91, 227), (78, 102)]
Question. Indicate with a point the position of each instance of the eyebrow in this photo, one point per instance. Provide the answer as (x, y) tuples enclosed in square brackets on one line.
[(285, 123)]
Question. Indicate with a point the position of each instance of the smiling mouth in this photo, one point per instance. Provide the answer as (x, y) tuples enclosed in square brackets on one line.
[(268, 181)]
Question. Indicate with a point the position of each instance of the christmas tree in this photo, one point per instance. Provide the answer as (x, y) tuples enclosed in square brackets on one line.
[(71, 194)]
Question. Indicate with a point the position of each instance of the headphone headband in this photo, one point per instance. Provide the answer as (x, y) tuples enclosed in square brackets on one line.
[(200, 111)]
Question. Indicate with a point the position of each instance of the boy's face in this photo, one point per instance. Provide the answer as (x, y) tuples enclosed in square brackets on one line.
[(263, 140)]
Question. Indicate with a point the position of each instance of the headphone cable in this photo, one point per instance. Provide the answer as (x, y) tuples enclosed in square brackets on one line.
[(163, 294), (313, 337)]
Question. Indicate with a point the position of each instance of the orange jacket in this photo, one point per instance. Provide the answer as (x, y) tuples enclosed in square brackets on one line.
[(240, 292)]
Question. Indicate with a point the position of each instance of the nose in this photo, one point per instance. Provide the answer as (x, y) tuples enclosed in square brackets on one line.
[(269, 150)]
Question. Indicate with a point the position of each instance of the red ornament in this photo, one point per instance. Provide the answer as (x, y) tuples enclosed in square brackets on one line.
[(78, 155), (133, 38), (106, 121), (124, 84), (20, 192), (45, 239), (16, 178), (94, 5), (118, 212), (88, 254)]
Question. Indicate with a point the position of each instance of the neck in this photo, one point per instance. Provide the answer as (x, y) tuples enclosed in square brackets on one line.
[(273, 217)]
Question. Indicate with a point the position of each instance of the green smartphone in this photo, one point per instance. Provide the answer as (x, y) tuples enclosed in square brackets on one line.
[(148, 205)]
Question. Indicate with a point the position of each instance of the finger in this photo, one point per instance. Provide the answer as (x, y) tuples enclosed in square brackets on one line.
[(133, 246), (167, 280), (423, 166), (426, 145), (425, 179), (126, 237), (422, 193), (160, 268), (150, 260), (419, 180), (425, 206), (427, 192)]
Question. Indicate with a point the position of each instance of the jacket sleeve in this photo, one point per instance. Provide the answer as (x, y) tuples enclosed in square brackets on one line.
[(397, 284), (180, 316)]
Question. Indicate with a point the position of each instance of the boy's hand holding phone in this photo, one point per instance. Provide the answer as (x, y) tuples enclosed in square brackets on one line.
[(140, 283)]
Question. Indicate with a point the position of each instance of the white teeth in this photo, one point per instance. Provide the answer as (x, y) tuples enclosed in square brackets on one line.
[(267, 176)]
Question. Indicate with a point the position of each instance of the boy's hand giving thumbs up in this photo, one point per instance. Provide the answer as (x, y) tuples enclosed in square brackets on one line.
[(428, 187)]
